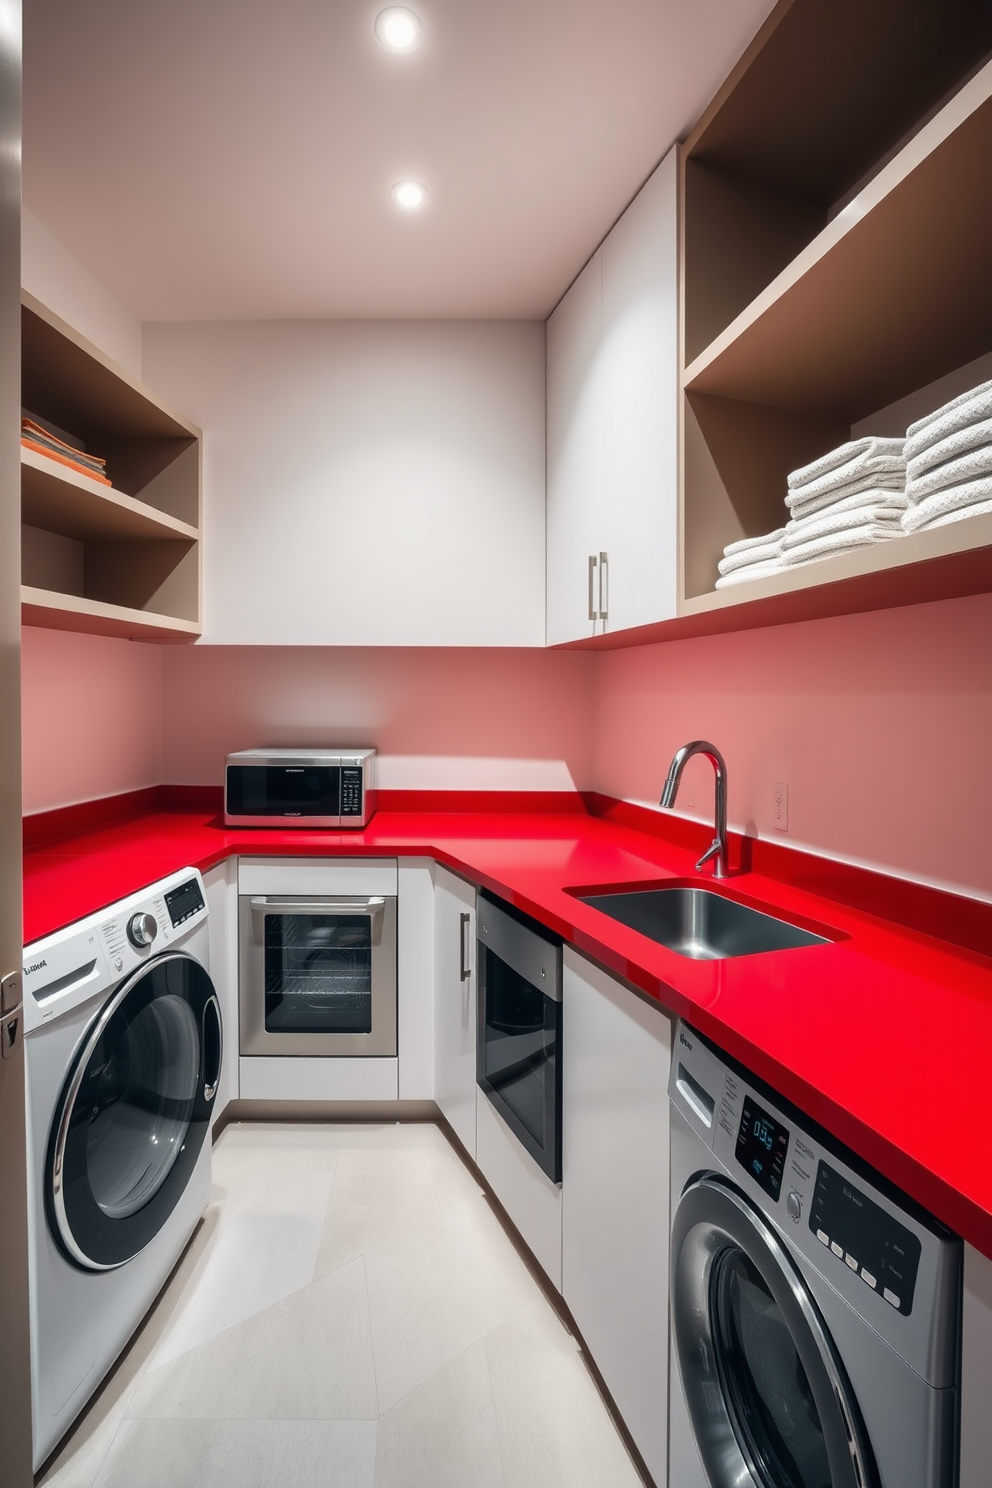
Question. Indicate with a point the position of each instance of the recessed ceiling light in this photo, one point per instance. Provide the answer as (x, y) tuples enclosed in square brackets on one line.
[(409, 194), (398, 29)]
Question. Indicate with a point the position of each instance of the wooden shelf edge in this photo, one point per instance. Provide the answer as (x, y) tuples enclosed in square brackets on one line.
[(39, 308), (930, 566), (922, 144), (51, 611), (163, 526)]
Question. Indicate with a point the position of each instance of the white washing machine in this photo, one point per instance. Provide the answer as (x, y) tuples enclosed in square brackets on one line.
[(123, 1045), (815, 1310)]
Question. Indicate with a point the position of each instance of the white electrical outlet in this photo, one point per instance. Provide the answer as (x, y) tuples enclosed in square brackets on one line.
[(780, 806)]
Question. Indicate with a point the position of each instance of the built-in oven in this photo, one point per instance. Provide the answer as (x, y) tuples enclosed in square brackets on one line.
[(518, 1063), (317, 967)]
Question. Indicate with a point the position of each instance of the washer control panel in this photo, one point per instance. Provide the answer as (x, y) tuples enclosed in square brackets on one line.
[(886, 1257)]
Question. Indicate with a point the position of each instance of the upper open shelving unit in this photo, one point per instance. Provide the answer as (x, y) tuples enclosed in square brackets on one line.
[(837, 232), (123, 559)]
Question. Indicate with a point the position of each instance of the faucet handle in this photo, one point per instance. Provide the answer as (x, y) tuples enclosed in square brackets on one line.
[(715, 850)]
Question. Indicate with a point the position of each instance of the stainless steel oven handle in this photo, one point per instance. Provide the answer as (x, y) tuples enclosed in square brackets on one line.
[(264, 905)]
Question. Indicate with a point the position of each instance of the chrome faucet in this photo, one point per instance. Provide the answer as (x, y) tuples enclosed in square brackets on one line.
[(718, 849)]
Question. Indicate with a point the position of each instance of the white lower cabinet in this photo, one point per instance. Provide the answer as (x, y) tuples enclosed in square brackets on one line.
[(615, 1204), (526, 1192), (221, 886), (976, 1371), (454, 1004)]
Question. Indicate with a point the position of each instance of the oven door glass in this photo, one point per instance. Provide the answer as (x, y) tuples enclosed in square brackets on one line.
[(519, 1042), (318, 973)]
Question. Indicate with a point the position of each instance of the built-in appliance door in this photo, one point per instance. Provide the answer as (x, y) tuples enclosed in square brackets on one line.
[(133, 1113), (318, 976), (768, 1399), (518, 1060)]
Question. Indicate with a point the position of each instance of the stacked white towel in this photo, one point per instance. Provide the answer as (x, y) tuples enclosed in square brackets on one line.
[(750, 558), (850, 498), (949, 462)]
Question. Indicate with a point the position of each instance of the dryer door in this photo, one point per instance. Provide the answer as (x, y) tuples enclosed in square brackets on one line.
[(767, 1396), (134, 1112)]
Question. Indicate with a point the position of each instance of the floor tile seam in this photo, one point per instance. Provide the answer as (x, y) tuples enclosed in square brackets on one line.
[(323, 1230), (368, 1314), (453, 1203), (98, 1467), (393, 1404), (492, 1401), (252, 1317)]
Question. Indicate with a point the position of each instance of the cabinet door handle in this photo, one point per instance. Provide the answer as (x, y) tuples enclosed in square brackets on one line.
[(604, 586), (593, 613), (464, 950)]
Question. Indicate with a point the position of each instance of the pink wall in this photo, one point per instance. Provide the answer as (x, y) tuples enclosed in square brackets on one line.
[(91, 717), (880, 725), (460, 719)]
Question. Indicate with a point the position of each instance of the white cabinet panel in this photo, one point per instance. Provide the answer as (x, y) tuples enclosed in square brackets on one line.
[(348, 876), (612, 360), (318, 1079), (455, 1004), (639, 506), (615, 1200), (976, 1372), (526, 1192), (576, 408), (415, 978)]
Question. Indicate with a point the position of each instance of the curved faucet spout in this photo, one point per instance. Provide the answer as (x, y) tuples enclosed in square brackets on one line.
[(718, 849)]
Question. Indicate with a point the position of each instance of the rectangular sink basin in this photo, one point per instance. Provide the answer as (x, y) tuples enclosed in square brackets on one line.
[(702, 924)]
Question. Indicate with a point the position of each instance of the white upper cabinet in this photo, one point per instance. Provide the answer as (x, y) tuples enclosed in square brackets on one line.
[(366, 483), (612, 426)]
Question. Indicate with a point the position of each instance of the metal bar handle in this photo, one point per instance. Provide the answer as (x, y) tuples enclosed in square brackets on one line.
[(464, 948), (604, 586), (317, 906), (593, 614)]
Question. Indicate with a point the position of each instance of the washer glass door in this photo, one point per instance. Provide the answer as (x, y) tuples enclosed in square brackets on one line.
[(134, 1112), (767, 1396)]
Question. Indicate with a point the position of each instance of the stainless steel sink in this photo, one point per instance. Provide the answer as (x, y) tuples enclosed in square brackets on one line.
[(702, 924)]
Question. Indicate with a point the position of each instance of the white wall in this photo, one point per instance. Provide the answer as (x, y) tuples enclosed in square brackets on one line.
[(91, 717), (366, 483), (56, 277), (442, 719)]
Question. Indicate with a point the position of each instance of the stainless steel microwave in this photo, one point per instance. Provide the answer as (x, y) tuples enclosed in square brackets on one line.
[(316, 788)]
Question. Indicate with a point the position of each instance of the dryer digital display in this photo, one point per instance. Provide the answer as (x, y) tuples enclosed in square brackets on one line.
[(762, 1143), (183, 903)]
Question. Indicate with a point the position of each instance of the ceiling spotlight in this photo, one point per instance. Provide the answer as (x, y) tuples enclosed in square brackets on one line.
[(409, 194), (398, 29)]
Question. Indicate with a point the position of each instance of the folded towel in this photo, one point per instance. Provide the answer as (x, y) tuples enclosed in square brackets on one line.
[(871, 448), (966, 467), (974, 436), (744, 575), (822, 524), (978, 509), (952, 498), (800, 504), (946, 415), (765, 551), (840, 542), (746, 544)]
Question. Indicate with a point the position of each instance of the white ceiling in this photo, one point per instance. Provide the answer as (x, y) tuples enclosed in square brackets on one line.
[(214, 159)]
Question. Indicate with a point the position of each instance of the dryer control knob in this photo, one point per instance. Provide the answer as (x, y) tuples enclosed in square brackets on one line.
[(794, 1205), (142, 930)]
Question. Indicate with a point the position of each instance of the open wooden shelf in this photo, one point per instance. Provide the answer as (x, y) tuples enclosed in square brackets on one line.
[(61, 500), (123, 559), (916, 569), (837, 233), (54, 611)]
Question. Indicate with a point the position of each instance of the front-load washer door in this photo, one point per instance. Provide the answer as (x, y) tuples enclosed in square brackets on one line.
[(134, 1112), (767, 1397)]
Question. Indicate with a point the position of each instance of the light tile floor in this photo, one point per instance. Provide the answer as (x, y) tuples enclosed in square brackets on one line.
[(351, 1314)]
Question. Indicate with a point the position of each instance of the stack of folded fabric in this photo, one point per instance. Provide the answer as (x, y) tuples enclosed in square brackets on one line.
[(850, 498), (34, 437), (751, 558), (949, 462)]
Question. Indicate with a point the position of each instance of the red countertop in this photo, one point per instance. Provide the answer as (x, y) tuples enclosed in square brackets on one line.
[(884, 1036)]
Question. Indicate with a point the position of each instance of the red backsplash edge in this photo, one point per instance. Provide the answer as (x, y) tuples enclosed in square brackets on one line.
[(962, 921)]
